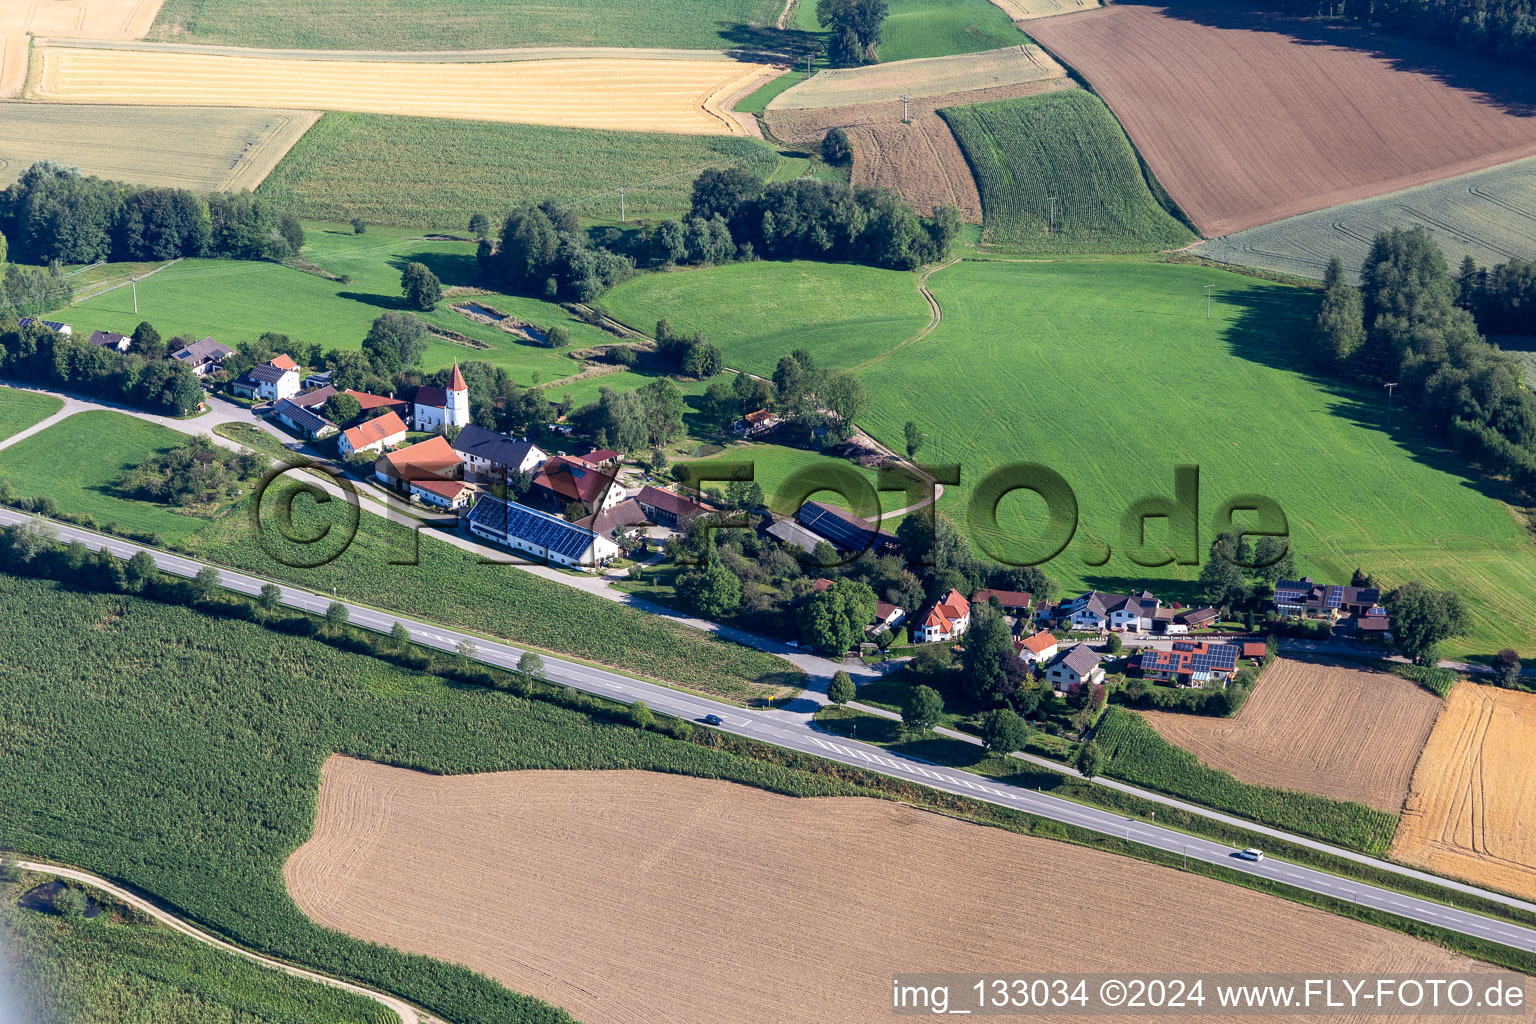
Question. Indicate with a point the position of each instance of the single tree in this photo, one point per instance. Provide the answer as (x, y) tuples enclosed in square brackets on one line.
[(70, 902), (139, 571), (336, 615), (836, 149), (358, 227), (1003, 731), (32, 538), (1506, 668), (466, 650), (479, 225), (1422, 617), (341, 408), (399, 636), (421, 288), (271, 596), (841, 689), (1091, 760), (640, 715), (531, 665), (914, 439), (206, 583), (921, 710), (146, 341), (1113, 643)]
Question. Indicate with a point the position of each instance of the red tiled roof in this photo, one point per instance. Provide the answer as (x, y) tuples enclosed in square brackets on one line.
[(1006, 598), (948, 611), (821, 584), (599, 457), (572, 480), (370, 402), (1254, 649), (884, 610), (456, 382), (759, 416), (374, 431), (434, 455), (1040, 642), (283, 362), (449, 489)]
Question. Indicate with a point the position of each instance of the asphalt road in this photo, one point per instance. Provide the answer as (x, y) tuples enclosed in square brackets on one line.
[(796, 732)]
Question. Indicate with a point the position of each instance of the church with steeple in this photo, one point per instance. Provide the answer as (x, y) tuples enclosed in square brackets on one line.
[(436, 408)]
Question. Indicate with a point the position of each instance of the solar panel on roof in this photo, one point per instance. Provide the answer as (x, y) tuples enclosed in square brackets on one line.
[(818, 519), (531, 527)]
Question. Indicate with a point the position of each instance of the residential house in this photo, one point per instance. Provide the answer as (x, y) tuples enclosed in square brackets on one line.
[(436, 408), (627, 514), (447, 494), (1079, 664), (1309, 599), (314, 399), (1038, 649), (666, 508), (843, 530), (1255, 649), (1361, 601), (946, 619), (562, 480), (1198, 618), (320, 379), (792, 535), (432, 459), (204, 357), (1097, 611), (283, 362), (1376, 625), (1166, 621), (368, 403), (107, 339), (545, 537), (887, 616), (53, 325), (373, 435), (604, 459), (267, 382), (1191, 662), (752, 424), (494, 457), (1013, 602), (302, 421)]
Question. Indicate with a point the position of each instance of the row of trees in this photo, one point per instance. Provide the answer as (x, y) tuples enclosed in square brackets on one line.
[(822, 220), (1404, 324), (1502, 30), (1501, 300), (56, 213), (853, 27), (36, 353), (542, 251)]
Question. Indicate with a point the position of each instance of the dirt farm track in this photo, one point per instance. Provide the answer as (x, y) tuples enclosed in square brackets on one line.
[(1338, 731), (1247, 118), (647, 92), (1471, 811), (632, 897)]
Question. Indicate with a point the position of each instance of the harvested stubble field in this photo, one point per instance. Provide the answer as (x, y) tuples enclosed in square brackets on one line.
[(77, 19), (935, 76), (1488, 215), (1028, 10), (215, 149), (636, 93), (1246, 118), (1471, 811), (921, 159), (1338, 731), (431, 171), (547, 880)]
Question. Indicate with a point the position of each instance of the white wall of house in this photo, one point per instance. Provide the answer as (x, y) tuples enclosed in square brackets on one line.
[(286, 387)]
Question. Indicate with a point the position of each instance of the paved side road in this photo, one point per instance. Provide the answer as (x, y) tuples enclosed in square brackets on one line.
[(407, 1013), (796, 732)]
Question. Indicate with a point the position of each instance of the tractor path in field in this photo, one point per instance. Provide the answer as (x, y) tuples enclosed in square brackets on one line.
[(500, 56), (935, 316), (407, 1013)]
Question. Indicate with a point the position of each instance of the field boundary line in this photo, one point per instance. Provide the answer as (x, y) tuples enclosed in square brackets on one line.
[(123, 284), (407, 1013)]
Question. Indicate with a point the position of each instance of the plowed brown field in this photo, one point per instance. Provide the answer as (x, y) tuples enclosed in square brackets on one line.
[(1337, 731), (1247, 118), (921, 160), (636, 897), (1471, 810)]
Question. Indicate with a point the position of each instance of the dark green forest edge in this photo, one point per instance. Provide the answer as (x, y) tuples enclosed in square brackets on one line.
[(235, 728)]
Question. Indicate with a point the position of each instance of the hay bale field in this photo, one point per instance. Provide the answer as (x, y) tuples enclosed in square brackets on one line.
[(549, 881), (1247, 118), (933, 76), (640, 93), (921, 159), (1334, 730), (216, 149), (77, 19), (1471, 811), (1488, 215)]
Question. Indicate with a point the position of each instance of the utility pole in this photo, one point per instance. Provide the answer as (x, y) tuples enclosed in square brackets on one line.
[(1053, 215), (135, 282), (621, 204), (904, 118), (807, 63), (1208, 300), (1389, 388)]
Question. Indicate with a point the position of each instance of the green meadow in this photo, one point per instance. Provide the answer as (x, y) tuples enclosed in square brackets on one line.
[(234, 300), (78, 460), (842, 313), (424, 170), (932, 28), (468, 24), (21, 409)]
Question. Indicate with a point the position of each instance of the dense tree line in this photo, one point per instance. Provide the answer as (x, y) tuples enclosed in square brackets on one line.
[(853, 27), (30, 291), (542, 251), (1502, 300), (688, 355), (55, 213), (1501, 30), (36, 353), (1404, 325), (822, 220)]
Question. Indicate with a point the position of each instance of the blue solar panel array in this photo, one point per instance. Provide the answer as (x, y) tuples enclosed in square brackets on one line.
[(818, 519), (1221, 657), (531, 527)]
